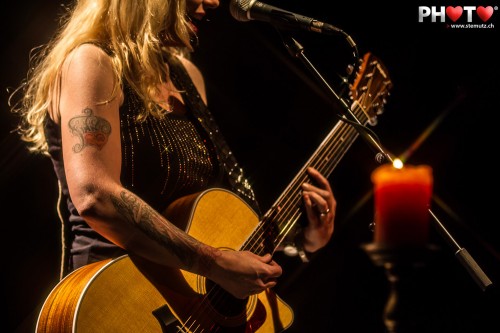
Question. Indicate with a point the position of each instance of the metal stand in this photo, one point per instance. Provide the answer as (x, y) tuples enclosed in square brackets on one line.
[(296, 50)]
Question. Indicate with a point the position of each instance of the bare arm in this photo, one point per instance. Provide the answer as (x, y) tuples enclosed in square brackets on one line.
[(89, 116)]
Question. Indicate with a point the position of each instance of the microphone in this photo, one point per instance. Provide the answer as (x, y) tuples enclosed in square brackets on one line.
[(246, 10)]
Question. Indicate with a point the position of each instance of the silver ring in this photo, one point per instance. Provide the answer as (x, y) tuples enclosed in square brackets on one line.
[(325, 212)]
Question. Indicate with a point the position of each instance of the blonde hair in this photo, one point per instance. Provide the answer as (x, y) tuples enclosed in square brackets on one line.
[(136, 34)]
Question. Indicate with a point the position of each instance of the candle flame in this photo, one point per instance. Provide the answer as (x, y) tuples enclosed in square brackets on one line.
[(398, 164)]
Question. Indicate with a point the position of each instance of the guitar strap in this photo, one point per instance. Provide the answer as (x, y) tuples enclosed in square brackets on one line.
[(202, 114)]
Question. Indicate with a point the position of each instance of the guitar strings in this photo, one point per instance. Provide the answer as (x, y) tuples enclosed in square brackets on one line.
[(321, 160), (287, 211)]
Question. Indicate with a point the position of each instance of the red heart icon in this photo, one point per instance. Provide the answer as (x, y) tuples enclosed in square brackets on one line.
[(96, 139), (484, 13), (454, 13)]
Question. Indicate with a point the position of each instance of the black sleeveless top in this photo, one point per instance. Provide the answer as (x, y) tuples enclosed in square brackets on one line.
[(162, 160)]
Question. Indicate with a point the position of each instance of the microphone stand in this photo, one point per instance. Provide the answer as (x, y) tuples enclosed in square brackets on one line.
[(297, 50)]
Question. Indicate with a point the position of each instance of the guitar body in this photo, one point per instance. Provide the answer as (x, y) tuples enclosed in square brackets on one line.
[(128, 294)]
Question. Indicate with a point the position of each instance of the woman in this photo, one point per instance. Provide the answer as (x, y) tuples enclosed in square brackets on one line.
[(115, 102)]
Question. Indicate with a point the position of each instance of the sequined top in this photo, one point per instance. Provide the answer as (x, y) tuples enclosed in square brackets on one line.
[(164, 159)]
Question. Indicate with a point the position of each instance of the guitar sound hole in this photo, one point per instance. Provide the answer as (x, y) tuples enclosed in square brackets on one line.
[(223, 302)]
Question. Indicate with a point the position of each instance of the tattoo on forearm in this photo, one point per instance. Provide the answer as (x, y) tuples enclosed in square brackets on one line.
[(138, 213), (90, 129), (207, 259)]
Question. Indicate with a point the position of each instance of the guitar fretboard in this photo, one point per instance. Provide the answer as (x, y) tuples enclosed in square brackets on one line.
[(371, 89)]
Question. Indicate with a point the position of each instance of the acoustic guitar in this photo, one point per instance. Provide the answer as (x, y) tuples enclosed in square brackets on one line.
[(127, 294)]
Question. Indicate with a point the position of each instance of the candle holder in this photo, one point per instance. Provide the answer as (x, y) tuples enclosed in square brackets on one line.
[(400, 264)]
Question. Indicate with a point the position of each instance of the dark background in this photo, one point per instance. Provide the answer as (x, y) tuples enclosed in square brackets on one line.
[(274, 115)]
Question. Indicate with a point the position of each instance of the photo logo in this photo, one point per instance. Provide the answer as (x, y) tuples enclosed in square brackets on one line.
[(467, 16)]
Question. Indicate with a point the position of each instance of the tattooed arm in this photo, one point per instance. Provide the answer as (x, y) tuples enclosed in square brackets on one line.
[(89, 118)]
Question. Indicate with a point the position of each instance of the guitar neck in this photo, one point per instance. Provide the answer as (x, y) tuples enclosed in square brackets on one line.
[(286, 211), (283, 215), (368, 94)]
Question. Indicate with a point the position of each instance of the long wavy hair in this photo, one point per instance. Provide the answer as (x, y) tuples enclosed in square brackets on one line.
[(136, 33)]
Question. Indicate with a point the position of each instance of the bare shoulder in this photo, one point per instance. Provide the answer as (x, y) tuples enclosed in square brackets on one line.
[(196, 75), (87, 59), (88, 72)]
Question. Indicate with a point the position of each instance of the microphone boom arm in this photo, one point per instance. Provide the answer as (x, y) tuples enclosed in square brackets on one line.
[(463, 256)]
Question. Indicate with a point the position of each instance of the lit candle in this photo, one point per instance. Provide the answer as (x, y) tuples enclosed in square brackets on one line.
[(402, 198)]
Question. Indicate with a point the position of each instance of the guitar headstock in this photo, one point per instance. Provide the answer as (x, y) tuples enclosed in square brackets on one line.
[(371, 87)]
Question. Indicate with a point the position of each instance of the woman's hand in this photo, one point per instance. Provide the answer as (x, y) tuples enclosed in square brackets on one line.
[(243, 273), (320, 208)]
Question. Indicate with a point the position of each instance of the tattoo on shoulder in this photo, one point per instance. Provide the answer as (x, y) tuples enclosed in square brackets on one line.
[(90, 130)]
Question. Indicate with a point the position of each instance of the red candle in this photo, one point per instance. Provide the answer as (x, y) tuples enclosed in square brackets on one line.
[(402, 198)]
